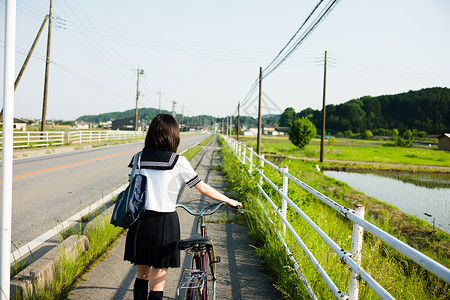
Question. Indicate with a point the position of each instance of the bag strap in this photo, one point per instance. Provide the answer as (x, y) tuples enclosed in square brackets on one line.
[(136, 163)]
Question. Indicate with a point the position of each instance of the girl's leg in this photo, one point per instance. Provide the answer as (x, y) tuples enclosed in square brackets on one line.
[(157, 279), (140, 290)]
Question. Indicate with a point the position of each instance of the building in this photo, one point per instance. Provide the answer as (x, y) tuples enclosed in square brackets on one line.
[(125, 124), (18, 124), (444, 142), (251, 132)]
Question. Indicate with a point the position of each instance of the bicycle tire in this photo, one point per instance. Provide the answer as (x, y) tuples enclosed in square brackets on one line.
[(195, 293), (211, 273)]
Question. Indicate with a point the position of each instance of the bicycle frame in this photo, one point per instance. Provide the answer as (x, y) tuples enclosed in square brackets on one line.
[(195, 279)]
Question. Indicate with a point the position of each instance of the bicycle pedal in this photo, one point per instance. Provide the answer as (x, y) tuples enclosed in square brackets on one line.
[(217, 260)]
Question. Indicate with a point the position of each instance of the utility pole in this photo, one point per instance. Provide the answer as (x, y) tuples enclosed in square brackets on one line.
[(238, 121), (139, 72), (16, 83), (47, 65), (173, 109), (7, 149), (323, 106), (258, 148), (231, 125), (159, 93)]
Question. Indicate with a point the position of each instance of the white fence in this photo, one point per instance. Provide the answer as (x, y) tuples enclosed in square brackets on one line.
[(78, 137), (351, 258), (31, 139)]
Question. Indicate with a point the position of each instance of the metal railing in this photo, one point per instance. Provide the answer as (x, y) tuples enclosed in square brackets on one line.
[(31, 139), (351, 258)]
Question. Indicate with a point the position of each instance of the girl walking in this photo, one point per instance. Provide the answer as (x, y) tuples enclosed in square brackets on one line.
[(151, 243)]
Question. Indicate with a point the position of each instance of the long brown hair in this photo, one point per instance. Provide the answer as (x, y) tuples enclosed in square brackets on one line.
[(163, 133)]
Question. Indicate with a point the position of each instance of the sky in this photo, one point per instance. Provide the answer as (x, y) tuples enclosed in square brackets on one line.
[(206, 55)]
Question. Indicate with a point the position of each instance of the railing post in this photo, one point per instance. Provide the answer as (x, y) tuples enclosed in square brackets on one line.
[(357, 240), (261, 165), (28, 139), (240, 151), (243, 155), (250, 160), (285, 191)]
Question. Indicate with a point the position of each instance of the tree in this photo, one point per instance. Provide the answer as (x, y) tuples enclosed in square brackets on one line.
[(301, 133), (394, 132), (348, 133), (407, 134), (288, 117), (368, 134)]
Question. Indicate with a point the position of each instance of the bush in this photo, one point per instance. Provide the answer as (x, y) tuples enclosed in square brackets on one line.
[(368, 134), (302, 132), (348, 133)]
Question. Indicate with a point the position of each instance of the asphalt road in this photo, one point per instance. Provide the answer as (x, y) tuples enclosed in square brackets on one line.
[(48, 189)]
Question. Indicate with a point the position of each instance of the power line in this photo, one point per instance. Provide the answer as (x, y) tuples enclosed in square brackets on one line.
[(316, 22), (73, 73), (295, 34), (281, 57)]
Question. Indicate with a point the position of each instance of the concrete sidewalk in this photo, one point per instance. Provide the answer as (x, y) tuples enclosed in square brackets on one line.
[(239, 272)]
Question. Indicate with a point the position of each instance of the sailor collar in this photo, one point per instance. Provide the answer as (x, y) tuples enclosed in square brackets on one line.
[(157, 160)]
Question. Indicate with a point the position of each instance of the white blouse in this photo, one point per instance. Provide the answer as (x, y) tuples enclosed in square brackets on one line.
[(163, 186)]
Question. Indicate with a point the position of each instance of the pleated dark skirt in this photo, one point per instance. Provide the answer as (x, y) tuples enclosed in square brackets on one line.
[(153, 240)]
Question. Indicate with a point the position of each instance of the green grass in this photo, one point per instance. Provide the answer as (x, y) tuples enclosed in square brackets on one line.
[(355, 150), (189, 154), (206, 141), (100, 238), (403, 278)]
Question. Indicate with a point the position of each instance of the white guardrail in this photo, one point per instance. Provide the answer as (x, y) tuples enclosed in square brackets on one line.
[(31, 139), (351, 258)]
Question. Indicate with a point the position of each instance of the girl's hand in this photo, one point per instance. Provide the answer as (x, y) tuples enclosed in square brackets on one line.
[(233, 203)]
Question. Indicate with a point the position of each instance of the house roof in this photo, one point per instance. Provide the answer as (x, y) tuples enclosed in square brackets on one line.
[(16, 120), (447, 135)]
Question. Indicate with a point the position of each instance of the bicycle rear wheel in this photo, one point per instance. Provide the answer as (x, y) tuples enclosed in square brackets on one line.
[(211, 279), (198, 283)]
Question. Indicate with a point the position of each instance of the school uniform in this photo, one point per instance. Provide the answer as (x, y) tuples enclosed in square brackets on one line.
[(153, 239)]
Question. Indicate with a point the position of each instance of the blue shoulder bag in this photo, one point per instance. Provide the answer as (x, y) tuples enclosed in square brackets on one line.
[(130, 203)]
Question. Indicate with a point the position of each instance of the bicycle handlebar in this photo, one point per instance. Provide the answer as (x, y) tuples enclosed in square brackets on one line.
[(203, 213)]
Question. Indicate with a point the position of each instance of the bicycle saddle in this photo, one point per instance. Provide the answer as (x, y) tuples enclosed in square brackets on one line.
[(193, 240)]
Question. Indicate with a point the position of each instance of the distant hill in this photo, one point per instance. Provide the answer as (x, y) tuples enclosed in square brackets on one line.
[(144, 114), (424, 110), (147, 114)]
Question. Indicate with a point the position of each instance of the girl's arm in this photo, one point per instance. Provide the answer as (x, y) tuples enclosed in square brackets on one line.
[(209, 191)]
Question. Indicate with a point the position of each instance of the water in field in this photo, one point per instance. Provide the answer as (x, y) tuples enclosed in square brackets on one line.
[(420, 197)]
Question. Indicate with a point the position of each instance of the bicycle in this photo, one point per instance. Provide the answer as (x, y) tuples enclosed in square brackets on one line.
[(194, 281)]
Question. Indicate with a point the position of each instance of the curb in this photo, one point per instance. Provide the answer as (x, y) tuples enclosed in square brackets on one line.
[(40, 273)]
